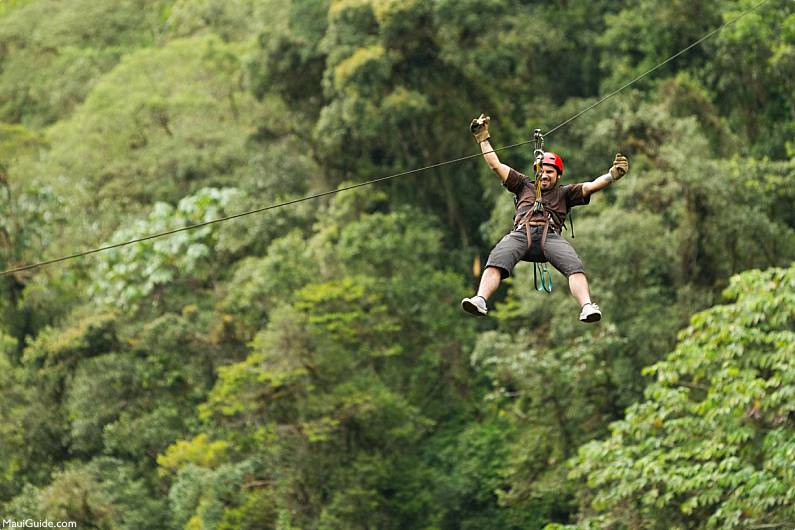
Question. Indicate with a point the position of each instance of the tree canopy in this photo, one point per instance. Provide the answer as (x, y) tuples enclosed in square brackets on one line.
[(309, 366)]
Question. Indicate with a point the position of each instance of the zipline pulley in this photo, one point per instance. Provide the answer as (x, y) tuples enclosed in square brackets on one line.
[(538, 139)]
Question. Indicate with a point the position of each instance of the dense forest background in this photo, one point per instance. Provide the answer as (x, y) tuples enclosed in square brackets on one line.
[(310, 367)]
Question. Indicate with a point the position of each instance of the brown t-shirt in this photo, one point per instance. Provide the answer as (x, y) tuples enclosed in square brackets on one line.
[(557, 201)]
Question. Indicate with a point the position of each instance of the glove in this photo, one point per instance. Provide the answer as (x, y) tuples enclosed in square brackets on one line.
[(620, 167), (480, 128)]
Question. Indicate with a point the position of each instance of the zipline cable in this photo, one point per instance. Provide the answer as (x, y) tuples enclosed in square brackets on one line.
[(250, 212), (381, 179)]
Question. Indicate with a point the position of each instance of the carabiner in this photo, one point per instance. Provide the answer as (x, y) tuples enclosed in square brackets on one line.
[(541, 269)]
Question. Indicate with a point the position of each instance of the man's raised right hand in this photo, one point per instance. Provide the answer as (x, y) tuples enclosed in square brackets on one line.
[(480, 128)]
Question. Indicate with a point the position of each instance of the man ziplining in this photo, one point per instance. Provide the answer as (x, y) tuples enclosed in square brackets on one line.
[(538, 222)]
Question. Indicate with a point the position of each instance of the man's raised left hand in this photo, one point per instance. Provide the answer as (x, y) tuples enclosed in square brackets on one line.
[(620, 167)]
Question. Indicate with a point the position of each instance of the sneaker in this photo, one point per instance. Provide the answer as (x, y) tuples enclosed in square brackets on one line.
[(590, 313), (475, 305)]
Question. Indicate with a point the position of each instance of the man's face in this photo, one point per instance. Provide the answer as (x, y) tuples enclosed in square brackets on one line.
[(549, 176)]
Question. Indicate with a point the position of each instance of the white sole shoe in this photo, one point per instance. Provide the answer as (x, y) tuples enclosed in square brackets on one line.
[(475, 306), (590, 313)]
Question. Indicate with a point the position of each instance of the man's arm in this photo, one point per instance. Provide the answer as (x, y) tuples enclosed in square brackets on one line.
[(619, 168), (494, 163), (480, 129)]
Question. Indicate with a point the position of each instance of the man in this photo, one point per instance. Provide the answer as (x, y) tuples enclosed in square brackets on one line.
[(537, 227)]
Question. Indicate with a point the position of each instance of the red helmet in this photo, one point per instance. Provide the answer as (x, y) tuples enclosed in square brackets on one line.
[(553, 160)]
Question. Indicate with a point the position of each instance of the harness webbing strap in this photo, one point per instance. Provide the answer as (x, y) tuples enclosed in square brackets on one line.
[(571, 222), (526, 222)]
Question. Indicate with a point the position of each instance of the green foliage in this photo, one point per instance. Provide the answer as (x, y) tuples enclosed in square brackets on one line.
[(231, 20), (764, 41), (554, 399), (260, 285), (13, 405), (31, 431), (709, 447), (90, 336), (26, 213), (333, 388), (290, 62), (53, 53), (309, 367), (102, 494), (197, 451), (15, 140), (183, 258), (23, 210), (742, 65), (203, 498), (143, 135), (94, 389)]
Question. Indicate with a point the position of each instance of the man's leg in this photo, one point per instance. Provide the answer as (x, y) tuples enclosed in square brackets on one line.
[(578, 285), (502, 259), (489, 282), (562, 256)]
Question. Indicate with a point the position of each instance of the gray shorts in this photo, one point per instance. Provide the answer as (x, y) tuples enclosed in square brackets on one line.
[(513, 248)]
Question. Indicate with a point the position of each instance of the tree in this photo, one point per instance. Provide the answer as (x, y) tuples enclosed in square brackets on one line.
[(25, 213), (741, 66), (178, 261), (342, 400), (54, 53), (712, 444), (104, 493)]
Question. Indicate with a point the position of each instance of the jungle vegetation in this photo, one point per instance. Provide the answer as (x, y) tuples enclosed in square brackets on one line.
[(310, 367)]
